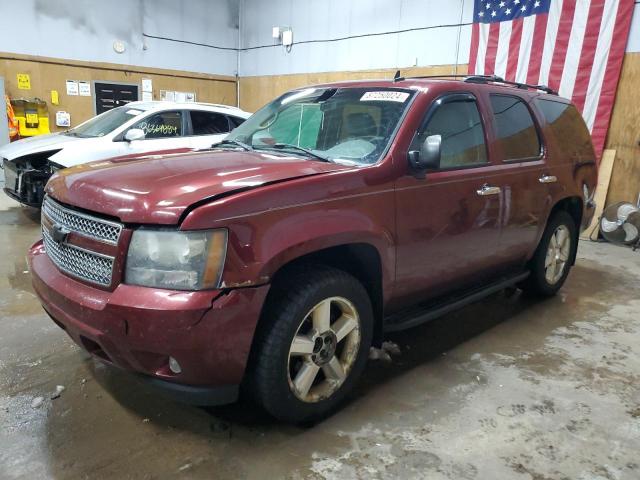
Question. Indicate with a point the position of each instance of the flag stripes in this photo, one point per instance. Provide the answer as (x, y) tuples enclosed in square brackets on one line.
[(573, 46)]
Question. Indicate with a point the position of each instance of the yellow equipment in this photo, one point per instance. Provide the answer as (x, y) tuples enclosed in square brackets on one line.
[(32, 116)]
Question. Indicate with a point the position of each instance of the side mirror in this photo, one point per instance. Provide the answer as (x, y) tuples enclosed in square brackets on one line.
[(134, 134), (428, 157)]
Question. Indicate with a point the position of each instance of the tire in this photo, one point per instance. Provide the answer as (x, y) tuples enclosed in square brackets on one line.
[(297, 307), (547, 276)]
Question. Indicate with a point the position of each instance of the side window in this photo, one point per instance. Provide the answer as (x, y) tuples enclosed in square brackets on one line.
[(161, 125), (515, 128), (235, 121), (460, 126), (209, 123), (567, 126)]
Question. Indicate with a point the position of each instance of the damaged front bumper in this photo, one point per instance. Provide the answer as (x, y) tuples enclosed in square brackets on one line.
[(24, 180), (209, 333)]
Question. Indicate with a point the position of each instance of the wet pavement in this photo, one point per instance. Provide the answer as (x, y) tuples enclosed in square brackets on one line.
[(507, 388)]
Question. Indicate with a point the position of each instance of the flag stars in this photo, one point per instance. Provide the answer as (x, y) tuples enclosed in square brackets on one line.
[(516, 2), (536, 4), (508, 11), (502, 4), (524, 8), (481, 14), (488, 6), (493, 14)]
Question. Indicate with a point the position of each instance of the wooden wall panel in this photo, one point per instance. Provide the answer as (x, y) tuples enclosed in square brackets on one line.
[(51, 74), (624, 134), (257, 91)]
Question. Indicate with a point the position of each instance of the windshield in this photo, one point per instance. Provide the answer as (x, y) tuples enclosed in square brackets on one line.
[(344, 125), (105, 123)]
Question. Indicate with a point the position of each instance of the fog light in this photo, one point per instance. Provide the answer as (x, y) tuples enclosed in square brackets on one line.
[(174, 366)]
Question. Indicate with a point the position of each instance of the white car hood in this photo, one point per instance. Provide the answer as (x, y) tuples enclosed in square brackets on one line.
[(72, 150), (41, 143)]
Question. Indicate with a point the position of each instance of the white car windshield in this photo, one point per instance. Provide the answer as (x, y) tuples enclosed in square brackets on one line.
[(105, 123), (344, 125)]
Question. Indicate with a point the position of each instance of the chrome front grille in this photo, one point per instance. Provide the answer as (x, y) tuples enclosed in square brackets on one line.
[(76, 261), (86, 225)]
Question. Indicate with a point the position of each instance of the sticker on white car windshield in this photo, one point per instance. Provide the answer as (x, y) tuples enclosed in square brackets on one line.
[(134, 112), (385, 96)]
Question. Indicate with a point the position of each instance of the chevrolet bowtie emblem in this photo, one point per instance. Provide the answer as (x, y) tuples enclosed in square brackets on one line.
[(59, 233)]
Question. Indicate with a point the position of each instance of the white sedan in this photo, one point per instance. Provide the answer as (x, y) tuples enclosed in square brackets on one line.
[(133, 129)]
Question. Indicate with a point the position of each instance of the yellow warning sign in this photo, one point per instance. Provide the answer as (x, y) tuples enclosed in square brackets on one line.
[(24, 81), (54, 97)]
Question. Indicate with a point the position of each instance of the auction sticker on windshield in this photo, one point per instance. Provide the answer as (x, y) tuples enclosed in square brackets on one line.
[(385, 96)]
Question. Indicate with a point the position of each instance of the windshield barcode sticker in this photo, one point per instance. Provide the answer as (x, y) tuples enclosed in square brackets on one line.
[(385, 96)]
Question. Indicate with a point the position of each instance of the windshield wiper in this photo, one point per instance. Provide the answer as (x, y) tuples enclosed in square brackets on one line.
[(311, 153), (236, 143)]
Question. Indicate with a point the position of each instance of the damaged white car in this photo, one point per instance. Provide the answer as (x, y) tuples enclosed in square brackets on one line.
[(133, 129)]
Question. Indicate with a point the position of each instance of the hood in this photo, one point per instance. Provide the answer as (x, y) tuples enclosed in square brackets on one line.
[(158, 189), (38, 144)]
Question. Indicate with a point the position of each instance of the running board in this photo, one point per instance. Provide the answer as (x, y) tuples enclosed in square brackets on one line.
[(418, 315)]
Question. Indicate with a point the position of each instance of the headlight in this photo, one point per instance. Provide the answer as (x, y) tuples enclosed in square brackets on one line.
[(176, 260)]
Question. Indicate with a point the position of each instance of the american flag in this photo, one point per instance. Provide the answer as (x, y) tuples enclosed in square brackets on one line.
[(575, 47)]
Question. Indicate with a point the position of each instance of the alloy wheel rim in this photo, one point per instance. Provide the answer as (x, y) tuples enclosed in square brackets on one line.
[(324, 349), (557, 255)]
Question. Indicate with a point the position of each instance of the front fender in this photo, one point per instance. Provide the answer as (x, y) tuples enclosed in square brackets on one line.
[(293, 235)]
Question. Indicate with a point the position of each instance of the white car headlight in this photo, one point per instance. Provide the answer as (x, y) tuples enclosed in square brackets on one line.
[(176, 260)]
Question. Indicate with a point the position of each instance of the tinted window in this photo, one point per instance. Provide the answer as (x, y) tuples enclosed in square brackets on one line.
[(567, 126), (515, 128), (161, 125), (235, 121), (209, 123), (460, 126)]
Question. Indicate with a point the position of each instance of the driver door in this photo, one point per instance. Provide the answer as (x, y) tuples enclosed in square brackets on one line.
[(163, 131), (448, 221)]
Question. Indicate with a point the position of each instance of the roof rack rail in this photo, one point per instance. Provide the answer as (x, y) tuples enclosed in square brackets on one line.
[(481, 79), (497, 79)]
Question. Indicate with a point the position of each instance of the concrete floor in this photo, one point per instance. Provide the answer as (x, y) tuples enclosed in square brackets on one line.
[(507, 388)]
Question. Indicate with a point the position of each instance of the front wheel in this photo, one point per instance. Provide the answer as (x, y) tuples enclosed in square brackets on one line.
[(314, 344), (552, 260)]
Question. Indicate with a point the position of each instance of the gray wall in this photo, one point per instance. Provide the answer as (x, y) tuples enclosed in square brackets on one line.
[(86, 30), (324, 19)]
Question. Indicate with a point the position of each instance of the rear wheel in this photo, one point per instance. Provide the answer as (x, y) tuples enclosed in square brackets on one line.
[(551, 263), (314, 344)]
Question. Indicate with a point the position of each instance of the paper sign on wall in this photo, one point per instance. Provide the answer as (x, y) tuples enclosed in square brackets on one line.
[(84, 89), (147, 96), (147, 85), (24, 81), (55, 100), (63, 119), (72, 87)]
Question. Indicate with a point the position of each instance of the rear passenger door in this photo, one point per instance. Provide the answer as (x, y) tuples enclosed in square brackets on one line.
[(207, 128), (525, 197), (448, 221)]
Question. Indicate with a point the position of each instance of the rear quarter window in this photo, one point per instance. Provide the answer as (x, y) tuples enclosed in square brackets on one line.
[(567, 127)]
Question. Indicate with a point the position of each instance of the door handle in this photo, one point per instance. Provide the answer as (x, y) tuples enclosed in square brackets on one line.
[(548, 179), (488, 190)]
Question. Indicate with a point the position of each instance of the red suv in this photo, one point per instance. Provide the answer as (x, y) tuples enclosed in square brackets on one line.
[(334, 215)]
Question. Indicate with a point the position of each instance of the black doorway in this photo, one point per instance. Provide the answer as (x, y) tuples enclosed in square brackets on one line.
[(111, 95)]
